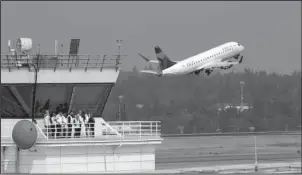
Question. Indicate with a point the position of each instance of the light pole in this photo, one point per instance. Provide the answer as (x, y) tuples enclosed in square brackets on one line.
[(119, 106), (241, 98), (256, 158), (217, 120)]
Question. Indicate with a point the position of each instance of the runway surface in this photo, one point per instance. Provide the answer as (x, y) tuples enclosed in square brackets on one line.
[(226, 150)]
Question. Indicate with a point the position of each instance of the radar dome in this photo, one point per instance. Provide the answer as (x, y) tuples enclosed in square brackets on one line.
[(24, 44), (25, 134)]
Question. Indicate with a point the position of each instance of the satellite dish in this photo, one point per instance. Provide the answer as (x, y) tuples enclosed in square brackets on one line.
[(25, 134)]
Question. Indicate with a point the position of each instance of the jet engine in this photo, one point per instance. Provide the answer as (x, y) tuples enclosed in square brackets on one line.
[(197, 72)]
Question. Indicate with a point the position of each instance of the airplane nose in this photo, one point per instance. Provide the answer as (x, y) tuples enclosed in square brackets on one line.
[(242, 48)]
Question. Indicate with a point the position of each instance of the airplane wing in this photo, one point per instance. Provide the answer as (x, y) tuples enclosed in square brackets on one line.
[(220, 64), (206, 66), (236, 62)]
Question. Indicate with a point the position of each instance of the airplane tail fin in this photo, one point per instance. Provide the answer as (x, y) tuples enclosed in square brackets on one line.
[(163, 59)]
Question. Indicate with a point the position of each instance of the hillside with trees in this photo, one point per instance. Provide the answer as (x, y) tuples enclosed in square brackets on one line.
[(191, 102)]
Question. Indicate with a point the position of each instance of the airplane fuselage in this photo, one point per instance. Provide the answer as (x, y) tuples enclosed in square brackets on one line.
[(220, 53)]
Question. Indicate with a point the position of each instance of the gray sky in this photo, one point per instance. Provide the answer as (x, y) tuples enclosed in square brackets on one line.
[(269, 31)]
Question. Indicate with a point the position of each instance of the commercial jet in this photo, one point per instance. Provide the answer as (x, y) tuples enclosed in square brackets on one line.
[(218, 57)]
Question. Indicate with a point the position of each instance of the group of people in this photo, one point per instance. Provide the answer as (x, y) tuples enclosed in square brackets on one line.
[(62, 125)]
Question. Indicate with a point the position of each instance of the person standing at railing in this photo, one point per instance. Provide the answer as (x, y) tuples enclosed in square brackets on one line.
[(69, 125), (91, 122), (53, 125), (82, 114), (86, 124), (77, 125), (47, 123), (59, 121), (64, 125)]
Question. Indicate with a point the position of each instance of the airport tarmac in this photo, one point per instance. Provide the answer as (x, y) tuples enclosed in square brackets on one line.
[(188, 152)]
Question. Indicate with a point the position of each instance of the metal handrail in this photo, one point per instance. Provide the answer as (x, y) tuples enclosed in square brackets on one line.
[(60, 61), (91, 130)]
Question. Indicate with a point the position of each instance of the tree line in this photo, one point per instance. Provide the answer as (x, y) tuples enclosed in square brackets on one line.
[(195, 104)]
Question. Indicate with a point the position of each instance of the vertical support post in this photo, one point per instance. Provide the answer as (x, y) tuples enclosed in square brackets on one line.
[(47, 128), (105, 156), (140, 129), (27, 60), (241, 96), (98, 59), (8, 63), (119, 111), (56, 65), (18, 62), (34, 95), (151, 128), (124, 112), (68, 63), (256, 159), (87, 63), (17, 160), (2, 159), (102, 66), (156, 128)]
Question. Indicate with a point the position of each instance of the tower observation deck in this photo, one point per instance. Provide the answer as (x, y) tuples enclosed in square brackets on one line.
[(83, 82), (34, 83)]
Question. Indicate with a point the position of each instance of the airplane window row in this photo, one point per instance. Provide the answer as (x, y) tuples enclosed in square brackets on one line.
[(224, 50)]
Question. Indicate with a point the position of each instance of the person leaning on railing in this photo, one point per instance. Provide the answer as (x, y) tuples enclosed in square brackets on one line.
[(78, 120), (53, 125), (69, 125), (47, 123), (87, 129), (59, 121), (91, 122), (64, 125)]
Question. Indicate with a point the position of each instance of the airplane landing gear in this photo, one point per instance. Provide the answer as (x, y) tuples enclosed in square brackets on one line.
[(197, 72), (237, 56), (208, 72)]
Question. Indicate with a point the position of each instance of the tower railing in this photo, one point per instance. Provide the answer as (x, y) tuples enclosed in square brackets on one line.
[(91, 131), (46, 61)]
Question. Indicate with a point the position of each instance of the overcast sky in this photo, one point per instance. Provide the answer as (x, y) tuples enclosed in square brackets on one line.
[(269, 31)]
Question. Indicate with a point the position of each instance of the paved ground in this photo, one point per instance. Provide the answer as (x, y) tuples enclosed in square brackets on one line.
[(226, 150)]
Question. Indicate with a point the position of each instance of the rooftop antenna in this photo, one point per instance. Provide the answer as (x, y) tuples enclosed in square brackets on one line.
[(39, 49), (9, 46), (56, 43), (119, 43), (62, 51)]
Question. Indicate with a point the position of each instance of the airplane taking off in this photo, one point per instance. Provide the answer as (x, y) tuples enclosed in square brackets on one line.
[(207, 61)]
